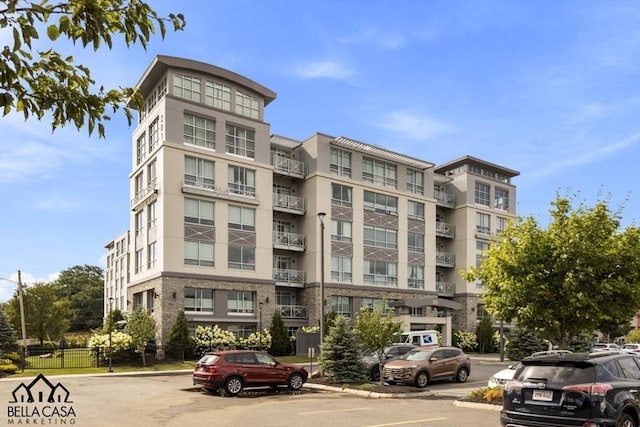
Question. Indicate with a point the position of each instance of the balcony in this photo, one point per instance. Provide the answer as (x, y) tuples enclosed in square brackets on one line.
[(380, 280), (293, 311), (445, 230), (285, 277), (290, 204), (445, 289), (235, 192), (444, 199), (144, 193), (290, 167), (289, 241), (444, 259)]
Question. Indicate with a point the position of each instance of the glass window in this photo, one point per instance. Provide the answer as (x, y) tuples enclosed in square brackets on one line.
[(415, 276), (151, 215), (483, 223), (241, 218), (380, 237), (242, 181), (218, 95), (240, 302), (415, 181), (154, 134), (341, 195), (139, 219), (240, 141), (501, 224), (152, 172), (186, 87), (341, 305), (199, 172), (139, 260), (198, 253), (380, 273), (341, 269), (199, 131), (482, 193), (340, 162), (242, 257), (415, 210), (152, 255), (198, 299), (379, 172), (501, 198), (198, 212), (416, 242), (340, 230), (247, 105), (381, 203), (141, 151)]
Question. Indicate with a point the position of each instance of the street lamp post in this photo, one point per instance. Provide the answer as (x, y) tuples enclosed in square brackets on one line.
[(22, 321), (321, 216), (110, 343), (260, 306)]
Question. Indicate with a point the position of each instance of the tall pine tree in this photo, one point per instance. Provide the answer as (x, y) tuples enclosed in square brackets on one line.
[(280, 343), (340, 354)]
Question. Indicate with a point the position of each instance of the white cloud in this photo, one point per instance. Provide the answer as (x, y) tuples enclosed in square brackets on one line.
[(23, 160), (9, 284), (414, 126), (323, 69)]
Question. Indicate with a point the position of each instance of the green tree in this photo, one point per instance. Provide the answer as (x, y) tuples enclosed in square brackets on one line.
[(633, 336), (83, 287), (376, 330), (36, 83), (484, 336), (340, 353), (8, 341), (141, 326), (280, 343), (566, 279), (522, 343), (179, 336), (116, 320)]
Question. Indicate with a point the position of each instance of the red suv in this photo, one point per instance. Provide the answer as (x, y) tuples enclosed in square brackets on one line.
[(234, 370)]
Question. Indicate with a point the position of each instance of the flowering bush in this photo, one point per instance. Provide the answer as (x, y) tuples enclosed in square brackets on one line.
[(209, 338), (119, 341), (77, 341), (467, 341), (309, 329), (255, 341)]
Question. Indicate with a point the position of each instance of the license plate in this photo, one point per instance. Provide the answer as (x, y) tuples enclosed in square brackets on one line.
[(544, 395)]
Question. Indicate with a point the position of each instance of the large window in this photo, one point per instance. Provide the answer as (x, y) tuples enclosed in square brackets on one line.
[(139, 220), (380, 203), (152, 172), (198, 299), (380, 273), (379, 172), (247, 105), (340, 162), (152, 255), (415, 210), (152, 217), (416, 242), (139, 260), (186, 87), (218, 95), (501, 224), (242, 257), (141, 151), (341, 230), (199, 131), (341, 269), (240, 302), (241, 218), (415, 181), (341, 305), (380, 237), (240, 141), (242, 181), (198, 253), (198, 212), (415, 276), (154, 134), (483, 223), (199, 172), (501, 198), (482, 196), (341, 195)]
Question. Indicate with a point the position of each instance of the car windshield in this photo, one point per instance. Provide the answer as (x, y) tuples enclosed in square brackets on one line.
[(564, 373), (417, 355)]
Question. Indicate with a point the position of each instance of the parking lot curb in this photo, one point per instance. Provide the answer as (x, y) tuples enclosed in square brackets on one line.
[(477, 405), (368, 394)]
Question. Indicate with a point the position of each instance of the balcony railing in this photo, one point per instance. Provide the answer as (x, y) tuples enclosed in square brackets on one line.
[(445, 230), (235, 192), (287, 166), (293, 311), (444, 198), (380, 280), (292, 241), (144, 193), (295, 277), (445, 259), (445, 289), (289, 203)]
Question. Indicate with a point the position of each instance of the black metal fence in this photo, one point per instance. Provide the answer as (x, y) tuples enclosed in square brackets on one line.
[(48, 358)]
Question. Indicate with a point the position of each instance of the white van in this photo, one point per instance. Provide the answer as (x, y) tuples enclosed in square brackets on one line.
[(421, 338)]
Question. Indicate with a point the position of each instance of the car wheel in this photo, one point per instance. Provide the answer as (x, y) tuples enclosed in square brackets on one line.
[(462, 375), (295, 381), (374, 374), (233, 385), (626, 420), (422, 379)]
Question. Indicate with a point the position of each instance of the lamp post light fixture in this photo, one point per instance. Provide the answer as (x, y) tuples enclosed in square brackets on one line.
[(260, 307), (110, 329), (22, 321), (321, 216)]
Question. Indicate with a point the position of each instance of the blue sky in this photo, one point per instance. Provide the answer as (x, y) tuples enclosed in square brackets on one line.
[(548, 88)]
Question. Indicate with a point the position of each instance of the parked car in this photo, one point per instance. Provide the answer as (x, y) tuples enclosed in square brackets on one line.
[(631, 348), (424, 364), (574, 389), (501, 377), (390, 353), (234, 370), (601, 346)]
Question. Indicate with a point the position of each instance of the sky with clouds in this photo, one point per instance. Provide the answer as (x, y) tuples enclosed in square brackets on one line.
[(548, 88)]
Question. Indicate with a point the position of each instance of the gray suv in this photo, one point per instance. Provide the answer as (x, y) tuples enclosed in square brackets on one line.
[(390, 353)]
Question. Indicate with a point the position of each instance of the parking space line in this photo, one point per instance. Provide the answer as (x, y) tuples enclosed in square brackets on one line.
[(425, 420), (333, 410)]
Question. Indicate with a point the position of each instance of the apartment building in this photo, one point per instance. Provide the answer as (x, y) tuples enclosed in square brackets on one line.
[(230, 222)]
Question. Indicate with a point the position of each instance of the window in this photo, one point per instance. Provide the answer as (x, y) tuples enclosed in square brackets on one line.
[(199, 172), (139, 183), (152, 255), (242, 218), (151, 215), (482, 193), (198, 253), (242, 257), (141, 144), (379, 172), (416, 242), (341, 305), (415, 276), (186, 87), (380, 273), (501, 198), (139, 260), (199, 131), (480, 311), (340, 162), (218, 95), (415, 181), (139, 219), (373, 303), (341, 269), (380, 203), (340, 230), (501, 224), (242, 330), (247, 105), (242, 181), (240, 141), (198, 212), (483, 225), (240, 302), (154, 134), (481, 248), (198, 299), (415, 210), (341, 195), (152, 172), (380, 237)]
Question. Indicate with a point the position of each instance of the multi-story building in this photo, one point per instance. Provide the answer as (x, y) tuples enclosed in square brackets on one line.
[(230, 223)]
